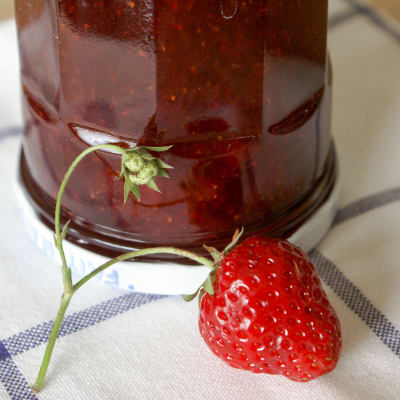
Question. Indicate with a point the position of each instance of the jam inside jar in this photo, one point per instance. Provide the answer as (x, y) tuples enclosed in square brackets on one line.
[(240, 89)]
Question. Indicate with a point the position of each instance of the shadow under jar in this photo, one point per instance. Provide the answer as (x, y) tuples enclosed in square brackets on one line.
[(240, 89)]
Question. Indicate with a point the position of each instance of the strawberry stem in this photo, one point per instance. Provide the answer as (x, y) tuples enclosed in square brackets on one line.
[(67, 296), (65, 300), (69, 287), (65, 270), (154, 250)]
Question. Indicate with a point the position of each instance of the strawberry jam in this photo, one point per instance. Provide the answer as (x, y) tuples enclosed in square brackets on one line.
[(241, 89)]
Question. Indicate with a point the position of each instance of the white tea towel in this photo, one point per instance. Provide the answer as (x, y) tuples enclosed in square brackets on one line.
[(125, 346)]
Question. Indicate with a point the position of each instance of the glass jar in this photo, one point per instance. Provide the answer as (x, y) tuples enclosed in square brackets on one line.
[(241, 89)]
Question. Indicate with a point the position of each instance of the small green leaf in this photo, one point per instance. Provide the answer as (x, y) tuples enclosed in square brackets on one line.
[(135, 190), (130, 187), (162, 172), (127, 189), (190, 297), (215, 254), (158, 149), (123, 160), (162, 164), (208, 285), (152, 185), (236, 236), (64, 230)]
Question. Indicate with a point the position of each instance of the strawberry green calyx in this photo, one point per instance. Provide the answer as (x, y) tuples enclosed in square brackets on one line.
[(134, 162), (208, 285), (140, 167), (146, 174)]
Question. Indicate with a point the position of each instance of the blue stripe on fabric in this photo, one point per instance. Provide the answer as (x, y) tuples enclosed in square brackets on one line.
[(357, 302), (367, 204), (4, 354), (374, 16), (76, 322), (14, 382)]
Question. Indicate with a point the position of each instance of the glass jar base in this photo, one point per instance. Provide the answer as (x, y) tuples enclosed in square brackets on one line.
[(307, 226)]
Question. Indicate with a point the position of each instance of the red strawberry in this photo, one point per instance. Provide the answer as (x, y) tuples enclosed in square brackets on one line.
[(269, 312)]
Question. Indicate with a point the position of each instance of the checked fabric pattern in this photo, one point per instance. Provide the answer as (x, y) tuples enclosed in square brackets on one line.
[(115, 345)]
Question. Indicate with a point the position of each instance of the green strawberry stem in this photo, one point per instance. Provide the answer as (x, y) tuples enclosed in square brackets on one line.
[(144, 252), (65, 299), (66, 272), (68, 293), (70, 288)]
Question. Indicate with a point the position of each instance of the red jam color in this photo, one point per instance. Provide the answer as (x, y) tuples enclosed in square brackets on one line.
[(240, 89)]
